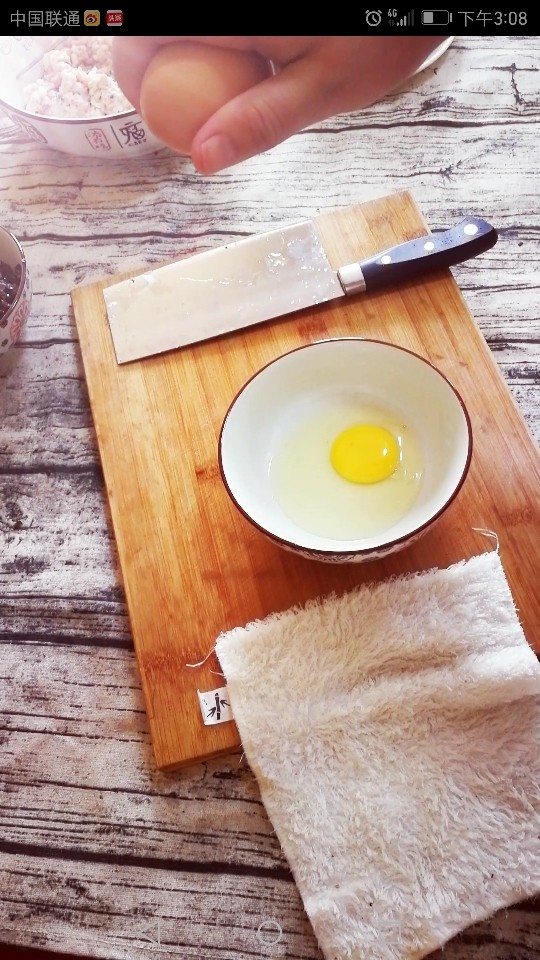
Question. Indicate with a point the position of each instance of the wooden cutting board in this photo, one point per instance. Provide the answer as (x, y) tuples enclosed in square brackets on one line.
[(192, 566)]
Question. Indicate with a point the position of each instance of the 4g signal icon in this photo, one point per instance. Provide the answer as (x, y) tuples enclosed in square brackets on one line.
[(406, 20)]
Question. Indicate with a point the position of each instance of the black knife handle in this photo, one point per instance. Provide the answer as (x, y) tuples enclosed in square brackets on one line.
[(432, 252)]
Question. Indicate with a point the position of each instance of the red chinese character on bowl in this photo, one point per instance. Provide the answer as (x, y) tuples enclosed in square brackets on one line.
[(97, 138)]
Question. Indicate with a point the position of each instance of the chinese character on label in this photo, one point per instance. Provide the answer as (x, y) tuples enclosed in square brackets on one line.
[(114, 18), (91, 18)]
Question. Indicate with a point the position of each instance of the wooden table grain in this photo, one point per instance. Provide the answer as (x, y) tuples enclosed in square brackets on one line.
[(100, 854)]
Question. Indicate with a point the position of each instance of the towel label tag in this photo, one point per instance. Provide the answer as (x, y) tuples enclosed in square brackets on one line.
[(215, 706)]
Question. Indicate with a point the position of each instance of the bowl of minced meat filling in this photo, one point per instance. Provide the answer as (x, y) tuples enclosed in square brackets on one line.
[(63, 93)]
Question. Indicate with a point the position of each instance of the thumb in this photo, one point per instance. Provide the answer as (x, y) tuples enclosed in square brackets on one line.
[(258, 119)]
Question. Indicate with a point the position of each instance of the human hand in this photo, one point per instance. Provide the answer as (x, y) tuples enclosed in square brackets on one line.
[(314, 78)]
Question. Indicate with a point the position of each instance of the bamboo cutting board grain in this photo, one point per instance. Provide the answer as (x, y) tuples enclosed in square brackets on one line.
[(192, 566)]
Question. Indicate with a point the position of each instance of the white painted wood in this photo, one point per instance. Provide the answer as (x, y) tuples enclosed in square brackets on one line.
[(99, 853)]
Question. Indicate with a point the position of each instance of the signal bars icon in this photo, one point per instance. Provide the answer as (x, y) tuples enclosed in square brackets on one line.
[(405, 21)]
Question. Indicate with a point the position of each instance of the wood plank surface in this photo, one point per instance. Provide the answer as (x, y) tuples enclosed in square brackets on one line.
[(97, 846), (192, 567)]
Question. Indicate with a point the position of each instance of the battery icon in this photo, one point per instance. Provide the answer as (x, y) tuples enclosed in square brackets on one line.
[(436, 18)]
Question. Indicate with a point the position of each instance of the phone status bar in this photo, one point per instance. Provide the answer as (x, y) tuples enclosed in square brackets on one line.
[(435, 19), (377, 20)]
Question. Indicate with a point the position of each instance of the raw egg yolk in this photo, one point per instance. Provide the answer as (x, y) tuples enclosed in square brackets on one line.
[(364, 454)]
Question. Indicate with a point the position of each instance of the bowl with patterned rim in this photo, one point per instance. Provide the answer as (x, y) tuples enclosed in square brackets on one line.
[(15, 290), (62, 93)]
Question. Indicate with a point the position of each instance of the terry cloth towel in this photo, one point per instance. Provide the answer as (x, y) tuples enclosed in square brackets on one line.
[(393, 732)]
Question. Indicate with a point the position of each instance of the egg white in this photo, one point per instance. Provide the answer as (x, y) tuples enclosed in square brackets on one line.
[(313, 495)]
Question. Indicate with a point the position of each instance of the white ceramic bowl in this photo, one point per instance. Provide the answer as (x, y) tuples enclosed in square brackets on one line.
[(276, 404), (13, 320), (109, 137)]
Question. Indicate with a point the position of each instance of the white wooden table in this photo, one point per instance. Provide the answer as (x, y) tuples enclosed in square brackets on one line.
[(99, 853)]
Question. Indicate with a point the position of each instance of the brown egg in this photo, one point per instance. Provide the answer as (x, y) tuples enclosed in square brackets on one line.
[(185, 83)]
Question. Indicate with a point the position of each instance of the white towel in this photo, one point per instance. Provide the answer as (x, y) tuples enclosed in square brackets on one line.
[(393, 732)]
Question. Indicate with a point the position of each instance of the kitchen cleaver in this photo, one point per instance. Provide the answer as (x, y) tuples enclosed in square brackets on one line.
[(262, 277)]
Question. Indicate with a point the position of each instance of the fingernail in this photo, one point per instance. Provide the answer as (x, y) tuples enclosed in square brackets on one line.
[(216, 153)]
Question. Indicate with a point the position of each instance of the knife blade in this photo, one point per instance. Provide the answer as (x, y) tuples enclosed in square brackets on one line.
[(263, 277)]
